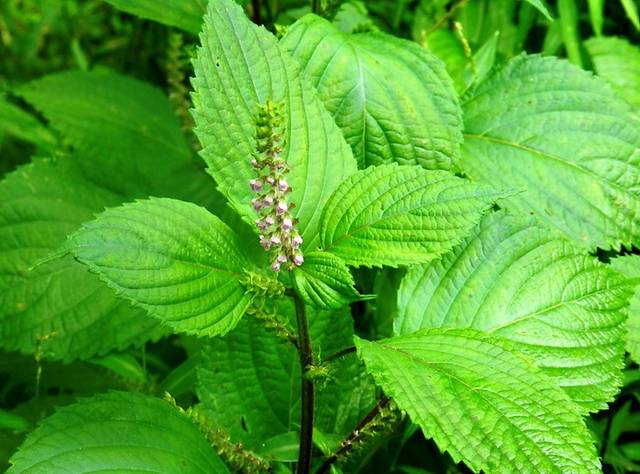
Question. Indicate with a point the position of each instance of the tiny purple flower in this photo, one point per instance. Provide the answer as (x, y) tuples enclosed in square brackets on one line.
[(266, 243), (267, 201), (275, 266), (296, 242), (256, 185), (281, 208), (287, 224), (275, 240), (298, 259), (271, 180), (283, 185), (281, 259), (255, 163), (262, 225), (269, 220), (257, 204)]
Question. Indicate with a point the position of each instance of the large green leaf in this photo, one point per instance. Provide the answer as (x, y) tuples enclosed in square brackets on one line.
[(401, 215), (519, 281), (482, 402), (618, 62), (239, 66), (629, 266), (392, 99), (40, 204), (174, 259), (126, 143), (564, 138), (183, 14), (117, 432), (249, 381)]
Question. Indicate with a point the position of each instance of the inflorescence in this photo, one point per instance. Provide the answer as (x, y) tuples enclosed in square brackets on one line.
[(278, 234)]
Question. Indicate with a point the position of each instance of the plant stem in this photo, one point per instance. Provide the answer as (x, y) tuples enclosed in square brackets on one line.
[(349, 441), (306, 414), (315, 6)]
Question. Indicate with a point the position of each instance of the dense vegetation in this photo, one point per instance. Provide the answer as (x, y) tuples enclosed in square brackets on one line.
[(319, 236)]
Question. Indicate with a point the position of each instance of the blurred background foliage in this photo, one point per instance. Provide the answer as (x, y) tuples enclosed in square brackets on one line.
[(155, 42)]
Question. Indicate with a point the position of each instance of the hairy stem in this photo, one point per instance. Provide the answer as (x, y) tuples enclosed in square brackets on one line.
[(348, 443), (306, 361)]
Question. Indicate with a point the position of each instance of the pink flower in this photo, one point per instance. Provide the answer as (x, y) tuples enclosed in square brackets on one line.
[(275, 266), (298, 259), (296, 242), (281, 208), (257, 204), (266, 243), (267, 201), (281, 259), (287, 224), (255, 163), (269, 220), (275, 240), (271, 180), (283, 185), (256, 185)]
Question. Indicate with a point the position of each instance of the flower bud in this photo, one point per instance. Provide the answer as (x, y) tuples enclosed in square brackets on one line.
[(256, 185), (281, 208), (298, 259), (275, 266), (271, 180), (269, 220), (267, 201), (283, 185), (257, 204), (275, 240), (281, 258), (287, 224), (296, 242), (266, 243)]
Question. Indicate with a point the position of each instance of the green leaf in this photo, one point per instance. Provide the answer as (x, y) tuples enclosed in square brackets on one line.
[(240, 65), (249, 381), (40, 204), (174, 259), (541, 6), (555, 131), (124, 365), (124, 131), (392, 99), (127, 143), (516, 280), (21, 124), (446, 46), (596, 15), (618, 62), (183, 14), (631, 9), (629, 266), (117, 432), (400, 215), (324, 281), (480, 401)]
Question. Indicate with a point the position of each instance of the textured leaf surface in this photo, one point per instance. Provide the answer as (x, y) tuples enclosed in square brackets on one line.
[(400, 215), (545, 126), (481, 402), (618, 62), (183, 14), (117, 432), (40, 204), (174, 259), (392, 99), (519, 281), (629, 266), (324, 281), (126, 143), (240, 65), (249, 381)]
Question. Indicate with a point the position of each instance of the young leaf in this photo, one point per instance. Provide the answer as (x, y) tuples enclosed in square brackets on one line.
[(631, 9), (117, 432), (183, 14), (568, 13), (60, 302), (629, 266), (239, 66), (541, 6), (392, 99), (480, 401), (324, 281), (174, 259), (400, 215), (249, 381), (618, 62), (518, 281), (596, 15), (545, 126)]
